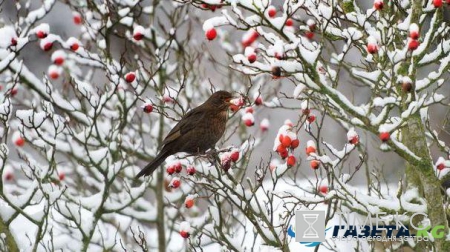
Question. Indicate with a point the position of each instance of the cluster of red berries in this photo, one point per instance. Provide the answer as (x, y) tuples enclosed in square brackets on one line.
[(287, 142), (228, 158)]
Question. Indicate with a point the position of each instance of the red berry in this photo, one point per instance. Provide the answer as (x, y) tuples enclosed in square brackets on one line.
[(14, 91), (13, 41), (249, 110), (138, 36), (413, 44), (286, 141), (234, 156), (384, 136), (211, 34), (184, 234), (310, 149), (290, 161), (281, 148), (74, 47), (175, 183), (309, 35), (48, 46), (189, 203), (148, 108), (9, 176), (251, 58), (213, 7), (190, 170), (178, 167), (41, 34), (283, 154), (311, 118), (130, 77), (372, 48), (20, 142), (289, 22), (77, 18), (234, 107), (249, 123), (354, 140), (226, 163), (378, 5), (271, 11), (170, 170), (54, 75), (440, 166), (59, 61), (306, 111), (414, 35), (323, 189), (314, 164), (61, 176), (295, 143), (258, 101), (437, 3)]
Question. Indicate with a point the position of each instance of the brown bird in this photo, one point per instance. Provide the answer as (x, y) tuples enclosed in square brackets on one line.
[(198, 130)]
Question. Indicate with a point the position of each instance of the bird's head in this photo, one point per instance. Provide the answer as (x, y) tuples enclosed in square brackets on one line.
[(220, 99)]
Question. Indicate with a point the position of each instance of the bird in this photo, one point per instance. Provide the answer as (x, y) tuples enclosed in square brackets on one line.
[(199, 130)]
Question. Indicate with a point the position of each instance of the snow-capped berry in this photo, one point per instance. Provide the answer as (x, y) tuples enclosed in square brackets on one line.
[(185, 229), (190, 170), (281, 148), (413, 44), (19, 141), (211, 34), (42, 30), (378, 4), (323, 189), (414, 31), (271, 11), (314, 164), (58, 57), (437, 3), (226, 161), (189, 201), (77, 19), (250, 54), (310, 147), (258, 100), (384, 136), (249, 37), (130, 77), (311, 24), (138, 32), (286, 142), (276, 72), (406, 84), (178, 167), (8, 175), (295, 143), (372, 45), (148, 108), (309, 34), (234, 156), (264, 125), (61, 176), (440, 166), (248, 119), (13, 41), (54, 71), (311, 118), (170, 169), (46, 44), (290, 161), (73, 43), (352, 136), (289, 22), (175, 183), (249, 110), (14, 91)]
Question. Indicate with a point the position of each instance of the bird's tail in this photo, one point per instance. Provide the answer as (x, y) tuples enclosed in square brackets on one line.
[(155, 163)]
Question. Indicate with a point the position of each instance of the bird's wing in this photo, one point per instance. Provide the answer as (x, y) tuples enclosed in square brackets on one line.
[(187, 123)]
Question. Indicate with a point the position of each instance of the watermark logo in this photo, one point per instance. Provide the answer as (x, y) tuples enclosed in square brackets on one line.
[(310, 226)]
